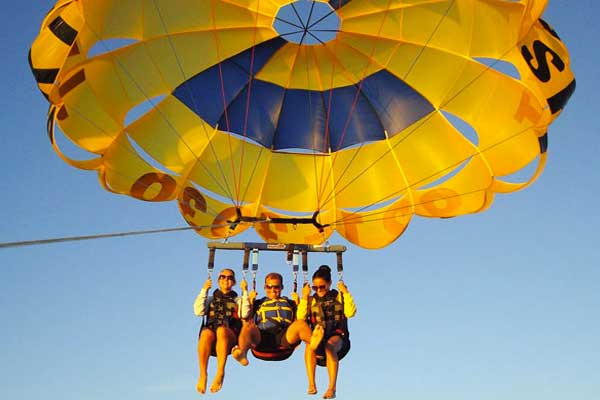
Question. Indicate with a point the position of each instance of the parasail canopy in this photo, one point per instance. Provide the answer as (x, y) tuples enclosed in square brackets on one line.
[(301, 118)]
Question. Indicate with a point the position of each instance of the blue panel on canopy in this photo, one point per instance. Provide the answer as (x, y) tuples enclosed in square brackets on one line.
[(338, 3), (205, 96), (301, 122), (257, 117), (352, 120), (280, 118), (397, 104), (204, 93)]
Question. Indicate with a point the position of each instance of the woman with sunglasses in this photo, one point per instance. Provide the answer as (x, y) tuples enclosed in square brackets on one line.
[(273, 333), (330, 309), (223, 312)]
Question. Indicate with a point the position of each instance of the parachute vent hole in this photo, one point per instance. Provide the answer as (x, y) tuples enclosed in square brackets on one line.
[(463, 127), (109, 45), (524, 174), (448, 174), (141, 109), (504, 67), (307, 22)]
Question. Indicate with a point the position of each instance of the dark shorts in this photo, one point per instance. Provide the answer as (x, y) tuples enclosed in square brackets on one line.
[(321, 358), (274, 346), (273, 340), (235, 326)]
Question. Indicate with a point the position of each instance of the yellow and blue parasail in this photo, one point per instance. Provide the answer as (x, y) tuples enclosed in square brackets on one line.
[(304, 117)]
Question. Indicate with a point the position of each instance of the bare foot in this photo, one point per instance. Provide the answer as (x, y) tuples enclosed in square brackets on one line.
[(236, 353), (312, 390), (201, 386), (329, 394), (217, 384), (316, 337)]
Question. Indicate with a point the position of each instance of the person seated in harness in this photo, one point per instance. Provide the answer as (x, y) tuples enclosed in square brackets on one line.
[(329, 309), (273, 333), (219, 332)]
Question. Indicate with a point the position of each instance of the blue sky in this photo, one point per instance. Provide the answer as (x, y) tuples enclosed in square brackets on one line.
[(498, 305)]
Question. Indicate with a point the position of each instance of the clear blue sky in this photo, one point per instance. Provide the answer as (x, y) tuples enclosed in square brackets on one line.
[(500, 305)]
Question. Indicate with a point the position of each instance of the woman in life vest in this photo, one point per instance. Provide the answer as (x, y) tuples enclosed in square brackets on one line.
[(330, 309), (273, 332), (223, 312)]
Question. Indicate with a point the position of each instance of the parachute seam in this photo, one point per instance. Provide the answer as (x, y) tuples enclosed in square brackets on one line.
[(250, 80), (440, 171), (225, 105), (115, 171), (429, 39), (355, 101), (225, 187), (425, 119), (314, 146), (164, 117), (331, 194), (356, 219)]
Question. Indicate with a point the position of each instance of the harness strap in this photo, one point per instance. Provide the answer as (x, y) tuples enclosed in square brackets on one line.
[(245, 263), (340, 269), (340, 266), (305, 276), (211, 261), (295, 269), (210, 269), (254, 267)]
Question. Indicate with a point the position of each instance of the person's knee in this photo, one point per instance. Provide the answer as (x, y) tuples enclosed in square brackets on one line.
[(333, 345), (221, 333), (330, 347), (206, 335)]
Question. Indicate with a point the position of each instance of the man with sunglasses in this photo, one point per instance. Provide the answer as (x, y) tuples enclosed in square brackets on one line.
[(274, 332), (223, 312)]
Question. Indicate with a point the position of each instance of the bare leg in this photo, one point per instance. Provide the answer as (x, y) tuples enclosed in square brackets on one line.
[(310, 361), (225, 340), (333, 345), (248, 339), (207, 338), (299, 330)]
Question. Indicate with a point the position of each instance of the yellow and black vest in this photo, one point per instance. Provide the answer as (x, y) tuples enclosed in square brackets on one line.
[(223, 310), (328, 312), (274, 313)]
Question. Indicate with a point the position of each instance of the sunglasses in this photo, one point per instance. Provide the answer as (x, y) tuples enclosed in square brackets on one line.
[(320, 287), (228, 277), (272, 286)]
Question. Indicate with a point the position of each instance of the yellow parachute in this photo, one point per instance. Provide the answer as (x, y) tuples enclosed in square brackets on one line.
[(304, 117)]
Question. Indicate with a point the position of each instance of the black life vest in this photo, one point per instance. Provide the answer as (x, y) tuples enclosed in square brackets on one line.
[(223, 310), (328, 312)]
